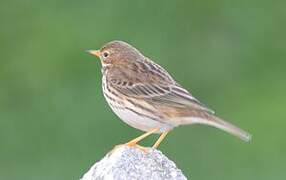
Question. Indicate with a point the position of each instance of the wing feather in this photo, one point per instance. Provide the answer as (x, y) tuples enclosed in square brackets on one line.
[(172, 95), (150, 82)]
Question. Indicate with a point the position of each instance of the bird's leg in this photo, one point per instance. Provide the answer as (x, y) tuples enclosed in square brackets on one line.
[(136, 140), (162, 136), (133, 143)]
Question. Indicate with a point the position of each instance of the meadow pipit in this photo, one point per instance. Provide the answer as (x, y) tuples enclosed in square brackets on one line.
[(145, 96)]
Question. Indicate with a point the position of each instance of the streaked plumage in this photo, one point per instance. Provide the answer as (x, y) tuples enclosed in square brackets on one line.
[(145, 96)]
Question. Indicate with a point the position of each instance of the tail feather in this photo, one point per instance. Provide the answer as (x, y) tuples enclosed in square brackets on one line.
[(220, 124)]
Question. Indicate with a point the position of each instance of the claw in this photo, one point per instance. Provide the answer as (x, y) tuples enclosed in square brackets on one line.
[(142, 148)]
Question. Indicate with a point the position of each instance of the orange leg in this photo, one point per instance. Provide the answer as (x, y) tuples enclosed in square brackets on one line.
[(136, 140), (162, 136)]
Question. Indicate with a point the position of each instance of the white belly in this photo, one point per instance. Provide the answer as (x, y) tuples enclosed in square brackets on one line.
[(143, 123), (139, 122)]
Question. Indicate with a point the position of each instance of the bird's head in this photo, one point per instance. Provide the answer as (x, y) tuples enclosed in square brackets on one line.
[(117, 53)]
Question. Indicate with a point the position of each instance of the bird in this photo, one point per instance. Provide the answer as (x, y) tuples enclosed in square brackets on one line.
[(146, 97)]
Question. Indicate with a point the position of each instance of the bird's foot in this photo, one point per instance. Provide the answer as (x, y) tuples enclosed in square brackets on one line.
[(142, 148)]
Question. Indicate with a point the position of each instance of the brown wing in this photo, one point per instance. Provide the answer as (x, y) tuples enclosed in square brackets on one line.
[(149, 82)]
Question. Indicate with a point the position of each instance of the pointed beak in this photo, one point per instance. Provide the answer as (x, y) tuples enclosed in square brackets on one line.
[(94, 52)]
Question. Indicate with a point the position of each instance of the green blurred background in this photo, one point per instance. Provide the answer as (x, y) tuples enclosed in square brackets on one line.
[(55, 123)]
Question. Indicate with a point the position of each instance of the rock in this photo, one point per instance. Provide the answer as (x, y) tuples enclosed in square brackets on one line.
[(132, 163)]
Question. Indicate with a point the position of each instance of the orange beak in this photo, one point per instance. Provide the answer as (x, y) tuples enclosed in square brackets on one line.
[(94, 52)]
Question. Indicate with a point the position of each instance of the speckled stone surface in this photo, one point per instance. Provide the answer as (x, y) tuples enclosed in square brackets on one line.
[(132, 163)]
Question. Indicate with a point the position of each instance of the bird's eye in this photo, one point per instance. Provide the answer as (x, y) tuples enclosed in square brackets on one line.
[(105, 54)]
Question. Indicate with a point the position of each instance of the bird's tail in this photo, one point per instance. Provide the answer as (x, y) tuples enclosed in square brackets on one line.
[(214, 121)]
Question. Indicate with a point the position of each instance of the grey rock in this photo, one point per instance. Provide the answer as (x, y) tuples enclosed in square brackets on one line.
[(132, 163)]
